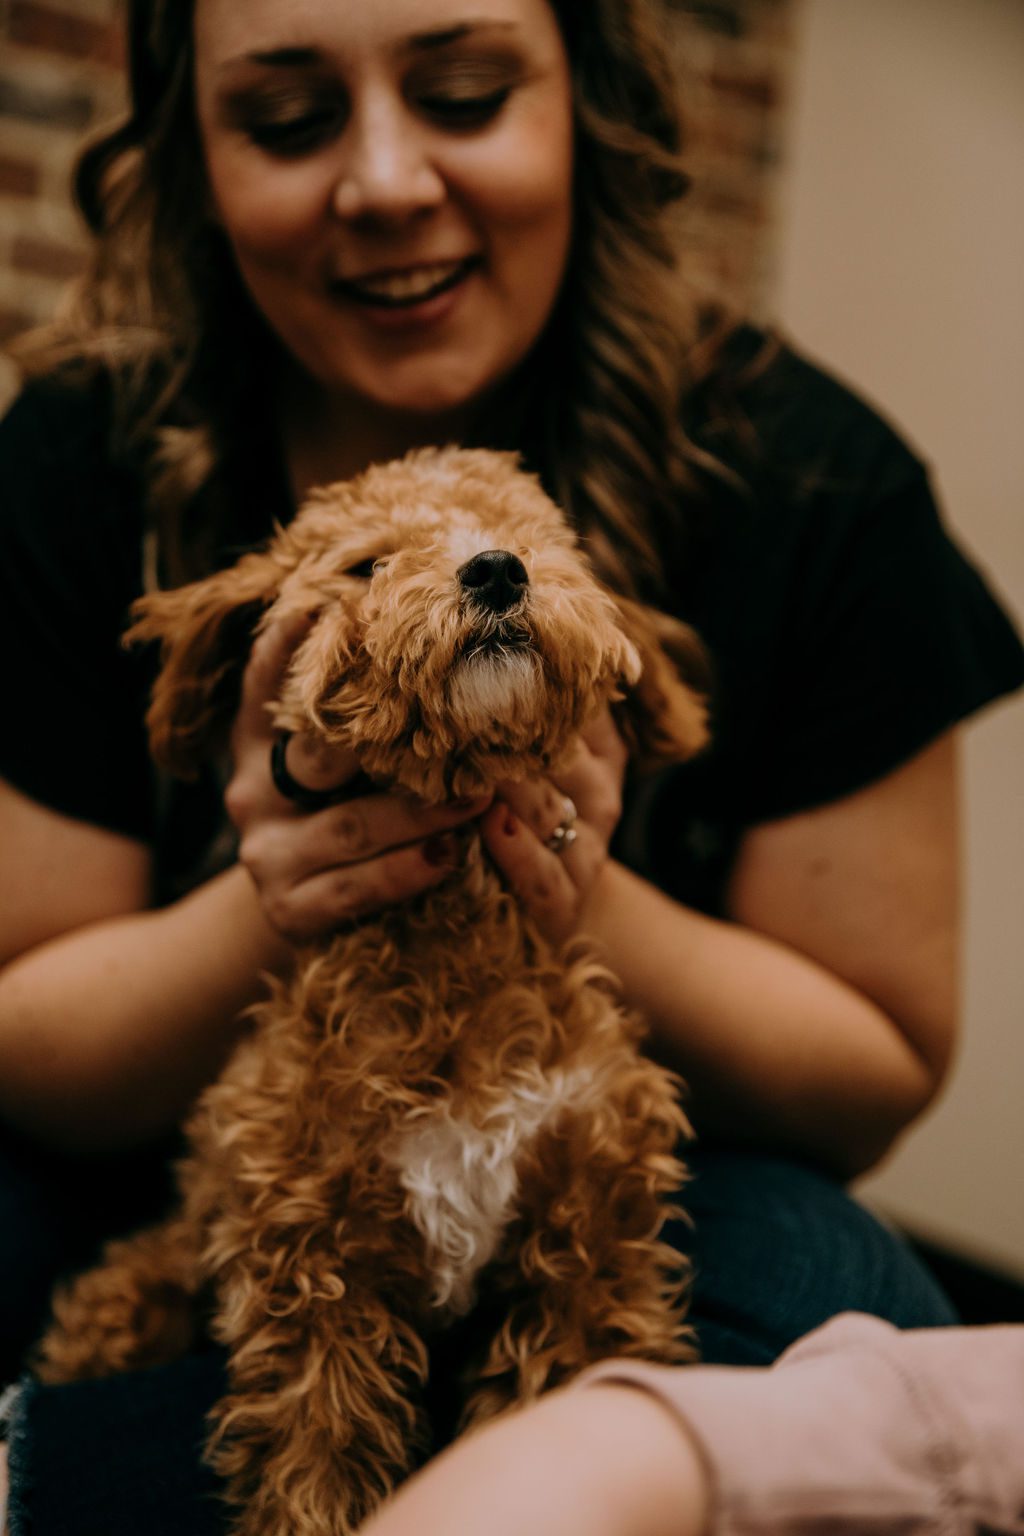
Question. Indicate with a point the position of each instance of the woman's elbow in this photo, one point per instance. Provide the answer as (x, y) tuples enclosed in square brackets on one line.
[(916, 1078)]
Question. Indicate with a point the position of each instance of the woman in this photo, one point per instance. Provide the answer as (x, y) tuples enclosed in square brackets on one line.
[(329, 233)]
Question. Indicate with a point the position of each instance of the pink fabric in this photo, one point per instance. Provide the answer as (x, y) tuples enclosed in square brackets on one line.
[(857, 1429)]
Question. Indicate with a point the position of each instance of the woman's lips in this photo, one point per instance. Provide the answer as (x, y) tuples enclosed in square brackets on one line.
[(406, 288)]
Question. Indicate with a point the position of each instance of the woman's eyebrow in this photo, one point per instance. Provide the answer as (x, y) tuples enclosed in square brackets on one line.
[(442, 37), (285, 58), (437, 37)]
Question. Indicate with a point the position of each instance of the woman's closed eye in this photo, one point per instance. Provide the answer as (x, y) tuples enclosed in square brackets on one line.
[(461, 109), (296, 119), (298, 132), (463, 93), (288, 119), (293, 133)]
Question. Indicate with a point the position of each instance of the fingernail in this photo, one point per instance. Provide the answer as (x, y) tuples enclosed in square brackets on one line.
[(440, 849)]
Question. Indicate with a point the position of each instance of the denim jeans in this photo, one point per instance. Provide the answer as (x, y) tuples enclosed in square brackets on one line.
[(777, 1248), (55, 1213)]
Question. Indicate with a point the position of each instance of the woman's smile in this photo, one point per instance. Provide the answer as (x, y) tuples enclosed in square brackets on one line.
[(408, 287), (405, 308)]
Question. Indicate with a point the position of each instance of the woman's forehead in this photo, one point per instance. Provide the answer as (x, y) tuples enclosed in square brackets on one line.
[(239, 30)]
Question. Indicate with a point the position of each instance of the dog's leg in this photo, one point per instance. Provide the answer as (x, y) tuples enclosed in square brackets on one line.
[(320, 1421), (138, 1308), (582, 1269)]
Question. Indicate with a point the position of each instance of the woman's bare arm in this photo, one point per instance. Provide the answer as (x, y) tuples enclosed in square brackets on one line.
[(607, 1461), (822, 1018), (113, 1016)]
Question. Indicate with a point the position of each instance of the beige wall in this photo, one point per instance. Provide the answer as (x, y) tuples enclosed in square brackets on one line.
[(901, 263)]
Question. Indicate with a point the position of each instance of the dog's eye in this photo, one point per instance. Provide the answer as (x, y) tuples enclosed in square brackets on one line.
[(363, 569)]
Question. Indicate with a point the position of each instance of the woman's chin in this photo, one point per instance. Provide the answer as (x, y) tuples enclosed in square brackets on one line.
[(421, 405)]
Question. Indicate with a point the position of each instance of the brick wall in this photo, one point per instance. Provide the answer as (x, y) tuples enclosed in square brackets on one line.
[(734, 59), (60, 78)]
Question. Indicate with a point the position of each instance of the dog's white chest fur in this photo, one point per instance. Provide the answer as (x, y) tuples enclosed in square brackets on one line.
[(461, 1178)]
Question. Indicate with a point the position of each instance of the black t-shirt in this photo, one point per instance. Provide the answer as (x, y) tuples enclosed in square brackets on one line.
[(846, 629)]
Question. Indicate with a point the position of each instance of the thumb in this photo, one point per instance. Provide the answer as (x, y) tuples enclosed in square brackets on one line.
[(313, 763), (265, 673)]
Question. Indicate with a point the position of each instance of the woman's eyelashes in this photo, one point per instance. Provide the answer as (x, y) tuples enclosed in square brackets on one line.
[(299, 123), (465, 93), (283, 120), (295, 134), (464, 110)]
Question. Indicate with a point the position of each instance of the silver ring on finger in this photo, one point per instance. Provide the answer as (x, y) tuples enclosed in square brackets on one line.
[(564, 834)]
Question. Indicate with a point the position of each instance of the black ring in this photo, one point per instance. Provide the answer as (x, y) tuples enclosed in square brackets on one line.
[(306, 799)]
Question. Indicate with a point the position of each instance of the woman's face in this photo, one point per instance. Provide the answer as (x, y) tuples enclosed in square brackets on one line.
[(395, 180)]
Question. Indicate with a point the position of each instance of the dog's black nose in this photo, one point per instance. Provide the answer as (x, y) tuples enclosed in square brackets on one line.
[(495, 579)]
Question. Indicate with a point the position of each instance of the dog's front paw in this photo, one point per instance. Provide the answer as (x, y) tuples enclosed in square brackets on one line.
[(105, 1322)]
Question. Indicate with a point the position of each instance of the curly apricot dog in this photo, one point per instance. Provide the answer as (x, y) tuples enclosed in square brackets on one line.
[(436, 1105)]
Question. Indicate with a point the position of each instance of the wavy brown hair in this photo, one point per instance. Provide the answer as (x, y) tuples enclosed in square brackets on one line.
[(595, 410)]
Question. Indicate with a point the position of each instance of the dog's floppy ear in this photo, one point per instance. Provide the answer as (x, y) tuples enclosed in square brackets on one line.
[(205, 632), (663, 716)]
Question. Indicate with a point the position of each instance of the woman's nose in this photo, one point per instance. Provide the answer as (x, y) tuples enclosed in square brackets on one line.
[(385, 172)]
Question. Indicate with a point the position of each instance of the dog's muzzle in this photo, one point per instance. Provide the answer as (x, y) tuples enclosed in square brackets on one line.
[(495, 580)]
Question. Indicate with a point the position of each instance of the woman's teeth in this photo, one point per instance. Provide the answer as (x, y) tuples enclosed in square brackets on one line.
[(396, 288)]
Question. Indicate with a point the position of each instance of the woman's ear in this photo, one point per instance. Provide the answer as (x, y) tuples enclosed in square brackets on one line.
[(663, 717), (205, 632)]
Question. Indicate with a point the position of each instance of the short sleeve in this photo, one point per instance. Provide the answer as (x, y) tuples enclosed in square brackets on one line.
[(70, 562), (890, 637), (845, 626)]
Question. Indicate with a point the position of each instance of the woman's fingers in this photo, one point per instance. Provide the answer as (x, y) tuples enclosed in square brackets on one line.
[(601, 736), (346, 861), (316, 765), (594, 774), (542, 807), (343, 893), (264, 675), (311, 764), (317, 869), (549, 837), (551, 885), (353, 833)]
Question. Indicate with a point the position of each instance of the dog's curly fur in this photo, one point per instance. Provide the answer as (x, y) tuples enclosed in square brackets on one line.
[(437, 1104)]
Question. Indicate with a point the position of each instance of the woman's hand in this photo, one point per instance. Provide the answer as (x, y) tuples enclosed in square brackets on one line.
[(317, 870), (552, 876)]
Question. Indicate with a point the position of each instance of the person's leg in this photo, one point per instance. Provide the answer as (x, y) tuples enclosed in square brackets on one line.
[(106, 1456), (778, 1248), (117, 1457), (55, 1212)]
